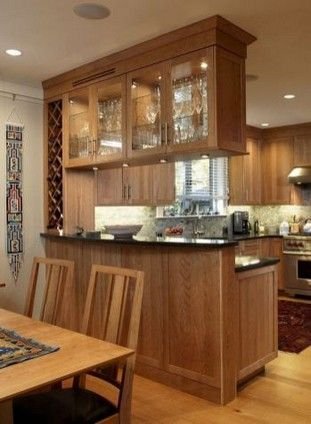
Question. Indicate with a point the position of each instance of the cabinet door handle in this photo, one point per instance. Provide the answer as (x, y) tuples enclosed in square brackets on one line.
[(167, 140), (129, 192), (124, 192), (164, 133)]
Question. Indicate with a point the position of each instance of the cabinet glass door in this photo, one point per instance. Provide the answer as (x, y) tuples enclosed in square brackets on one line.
[(146, 105), (189, 98), (80, 143), (110, 118)]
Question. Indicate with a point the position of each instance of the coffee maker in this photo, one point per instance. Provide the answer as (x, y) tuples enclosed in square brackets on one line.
[(240, 222)]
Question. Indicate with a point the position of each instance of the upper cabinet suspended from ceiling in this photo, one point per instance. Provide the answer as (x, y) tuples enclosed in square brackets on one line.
[(177, 96)]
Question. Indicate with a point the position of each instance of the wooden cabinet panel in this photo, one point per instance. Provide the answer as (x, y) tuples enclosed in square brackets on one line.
[(79, 200), (277, 161), (248, 248), (276, 250), (302, 149), (109, 187), (245, 175), (137, 185), (257, 319), (163, 177), (193, 320), (153, 262)]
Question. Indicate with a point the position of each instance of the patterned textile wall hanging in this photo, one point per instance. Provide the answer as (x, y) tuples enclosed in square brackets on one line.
[(14, 196)]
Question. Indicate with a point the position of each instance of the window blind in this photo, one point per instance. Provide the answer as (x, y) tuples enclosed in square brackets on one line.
[(203, 181)]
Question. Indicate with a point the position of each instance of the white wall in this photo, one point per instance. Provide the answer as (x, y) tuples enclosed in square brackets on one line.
[(30, 112)]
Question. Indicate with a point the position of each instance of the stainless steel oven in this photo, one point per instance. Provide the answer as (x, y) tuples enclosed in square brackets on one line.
[(297, 264)]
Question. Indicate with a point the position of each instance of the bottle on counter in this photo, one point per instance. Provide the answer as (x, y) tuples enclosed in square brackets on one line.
[(256, 227), (284, 228)]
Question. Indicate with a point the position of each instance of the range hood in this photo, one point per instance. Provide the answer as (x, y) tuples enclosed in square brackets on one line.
[(300, 175)]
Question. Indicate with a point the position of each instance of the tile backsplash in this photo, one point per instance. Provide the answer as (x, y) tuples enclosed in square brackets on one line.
[(269, 216)]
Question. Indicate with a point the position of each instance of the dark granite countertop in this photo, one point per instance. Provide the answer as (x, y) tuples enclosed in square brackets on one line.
[(167, 241), (245, 263)]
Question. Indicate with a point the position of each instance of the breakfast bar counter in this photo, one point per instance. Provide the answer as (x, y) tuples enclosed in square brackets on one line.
[(193, 306)]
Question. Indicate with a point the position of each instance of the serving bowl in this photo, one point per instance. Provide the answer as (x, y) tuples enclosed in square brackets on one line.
[(122, 231)]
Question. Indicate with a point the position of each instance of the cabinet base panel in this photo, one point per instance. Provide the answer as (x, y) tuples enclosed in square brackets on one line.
[(183, 384)]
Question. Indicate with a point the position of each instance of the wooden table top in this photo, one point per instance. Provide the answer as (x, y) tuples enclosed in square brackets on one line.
[(77, 354)]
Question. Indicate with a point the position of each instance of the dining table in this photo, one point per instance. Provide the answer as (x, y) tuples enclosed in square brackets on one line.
[(76, 353)]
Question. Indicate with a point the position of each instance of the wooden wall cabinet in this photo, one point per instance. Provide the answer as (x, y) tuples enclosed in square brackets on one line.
[(94, 124), (187, 106), (277, 161), (302, 149), (138, 185), (245, 175)]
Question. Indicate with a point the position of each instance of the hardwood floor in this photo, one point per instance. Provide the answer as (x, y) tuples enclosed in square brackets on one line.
[(281, 396)]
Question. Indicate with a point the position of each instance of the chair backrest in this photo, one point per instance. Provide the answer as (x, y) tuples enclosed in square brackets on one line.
[(58, 277), (118, 308)]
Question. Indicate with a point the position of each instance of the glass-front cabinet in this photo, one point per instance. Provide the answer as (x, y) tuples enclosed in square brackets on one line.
[(168, 105), (146, 110), (189, 94), (95, 128), (193, 104)]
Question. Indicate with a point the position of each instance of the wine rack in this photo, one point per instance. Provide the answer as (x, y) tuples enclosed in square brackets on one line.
[(55, 172)]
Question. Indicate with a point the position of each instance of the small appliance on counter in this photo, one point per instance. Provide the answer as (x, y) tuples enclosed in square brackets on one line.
[(240, 222)]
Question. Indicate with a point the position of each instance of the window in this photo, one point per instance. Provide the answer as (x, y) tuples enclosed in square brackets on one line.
[(201, 187)]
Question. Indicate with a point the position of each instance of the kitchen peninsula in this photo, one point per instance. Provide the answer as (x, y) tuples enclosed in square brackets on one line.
[(201, 321)]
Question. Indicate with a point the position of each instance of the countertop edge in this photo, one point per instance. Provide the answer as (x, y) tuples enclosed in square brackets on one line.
[(206, 243), (262, 263)]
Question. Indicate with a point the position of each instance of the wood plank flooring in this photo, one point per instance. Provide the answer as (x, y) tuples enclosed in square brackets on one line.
[(281, 396)]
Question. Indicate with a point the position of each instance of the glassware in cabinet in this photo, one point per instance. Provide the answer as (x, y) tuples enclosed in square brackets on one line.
[(146, 122), (79, 139), (110, 119), (189, 98)]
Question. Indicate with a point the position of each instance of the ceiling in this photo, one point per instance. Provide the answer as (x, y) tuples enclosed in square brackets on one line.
[(53, 40)]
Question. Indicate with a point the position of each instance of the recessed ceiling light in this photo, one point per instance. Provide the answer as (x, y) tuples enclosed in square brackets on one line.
[(125, 165), (204, 65), (163, 161), (289, 96), (265, 124), (13, 52), (91, 11), (204, 156)]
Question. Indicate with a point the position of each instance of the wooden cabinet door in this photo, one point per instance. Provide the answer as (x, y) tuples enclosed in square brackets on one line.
[(245, 176), (277, 161), (77, 129), (257, 319), (109, 187), (163, 183), (146, 115), (236, 180), (108, 119), (252, 172), (137, 185), (302, 149)]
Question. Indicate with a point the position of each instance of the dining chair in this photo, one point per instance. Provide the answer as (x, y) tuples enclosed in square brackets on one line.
[(114, 297), (51, 280)]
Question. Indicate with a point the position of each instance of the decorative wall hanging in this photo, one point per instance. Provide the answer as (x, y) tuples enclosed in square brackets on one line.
[(14, 196)]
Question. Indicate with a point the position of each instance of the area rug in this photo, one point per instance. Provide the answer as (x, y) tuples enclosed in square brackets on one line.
[(294, 326), (15, 348)]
